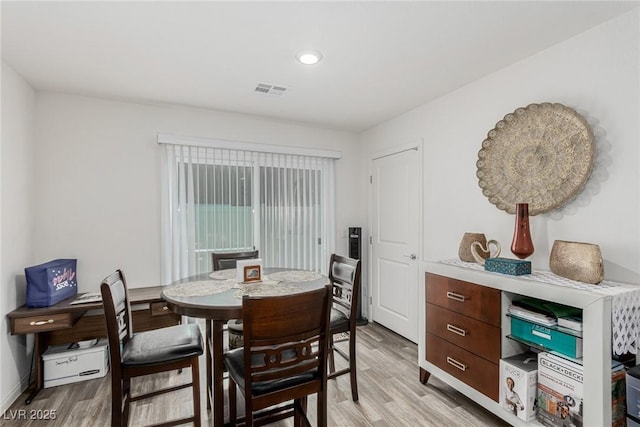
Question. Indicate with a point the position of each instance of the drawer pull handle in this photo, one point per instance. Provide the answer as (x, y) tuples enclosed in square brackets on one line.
[(453, 362), (41, 322), (455, 297), (165, 308), (456, 330)]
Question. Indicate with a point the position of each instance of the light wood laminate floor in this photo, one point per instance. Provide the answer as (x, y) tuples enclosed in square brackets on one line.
[(388, 383)]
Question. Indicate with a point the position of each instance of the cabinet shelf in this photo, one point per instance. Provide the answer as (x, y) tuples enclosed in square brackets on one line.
[(540, 347)]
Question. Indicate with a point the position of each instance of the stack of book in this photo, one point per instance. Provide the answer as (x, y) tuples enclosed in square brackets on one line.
[(532, 316), (571, 322)]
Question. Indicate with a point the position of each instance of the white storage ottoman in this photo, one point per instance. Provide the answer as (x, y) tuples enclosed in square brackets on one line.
[(63, 365)]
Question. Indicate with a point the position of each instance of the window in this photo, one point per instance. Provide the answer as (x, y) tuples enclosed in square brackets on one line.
[(217, 198)]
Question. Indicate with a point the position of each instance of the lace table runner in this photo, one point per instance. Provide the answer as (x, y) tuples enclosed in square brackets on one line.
[(295, 276), (265, 289), (203, 287), (224, 274), (625, 303), (224, 280), (280, 276)]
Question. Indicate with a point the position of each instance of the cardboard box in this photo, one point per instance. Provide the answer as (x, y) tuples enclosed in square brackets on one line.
[(560, 391), (63, 365), (518, 385), (565, 381), (513, 267), (547, 337)]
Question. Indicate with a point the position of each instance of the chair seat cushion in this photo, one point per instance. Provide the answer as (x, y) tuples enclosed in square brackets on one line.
[(235, 325), (234, 361), (234, 328), (338, 320), (163, 345)]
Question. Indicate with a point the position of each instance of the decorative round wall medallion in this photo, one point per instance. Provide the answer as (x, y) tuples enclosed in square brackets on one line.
[(542, 155)]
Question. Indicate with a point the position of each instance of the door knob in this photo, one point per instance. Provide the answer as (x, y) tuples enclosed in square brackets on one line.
[(412, 256)]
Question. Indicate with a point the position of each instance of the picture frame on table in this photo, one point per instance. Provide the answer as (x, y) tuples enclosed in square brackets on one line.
[(249, 270), (252, 273)]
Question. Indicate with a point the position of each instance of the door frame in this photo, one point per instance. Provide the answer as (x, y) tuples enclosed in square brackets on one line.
[(417, 145)]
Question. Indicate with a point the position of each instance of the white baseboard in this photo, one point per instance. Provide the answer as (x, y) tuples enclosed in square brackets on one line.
[(14, 394)]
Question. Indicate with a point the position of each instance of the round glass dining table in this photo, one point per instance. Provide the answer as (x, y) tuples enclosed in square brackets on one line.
[(217, 298)]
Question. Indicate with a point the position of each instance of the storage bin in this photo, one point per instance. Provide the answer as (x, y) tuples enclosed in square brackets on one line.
[(63, 365), (549, 338)]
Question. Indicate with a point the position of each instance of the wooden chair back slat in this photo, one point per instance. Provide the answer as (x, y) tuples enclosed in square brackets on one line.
[(344, 274), (227, 260)]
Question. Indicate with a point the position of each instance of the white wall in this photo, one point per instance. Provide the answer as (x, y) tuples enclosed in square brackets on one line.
[(98, 180), (597, 74), (81, 179), (17, 220)]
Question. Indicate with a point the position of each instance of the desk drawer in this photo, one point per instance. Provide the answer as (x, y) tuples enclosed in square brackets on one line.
[(477, 337), (43, 323), (479, 302), (465, 366), (94, 326), (159, 309)]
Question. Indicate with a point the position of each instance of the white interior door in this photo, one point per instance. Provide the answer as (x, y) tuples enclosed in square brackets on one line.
[(396, 234)]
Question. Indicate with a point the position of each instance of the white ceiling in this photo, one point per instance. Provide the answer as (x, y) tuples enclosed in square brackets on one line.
[(380, 58)]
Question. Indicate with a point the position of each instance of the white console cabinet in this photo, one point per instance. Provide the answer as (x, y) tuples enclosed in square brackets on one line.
[(596, 337)]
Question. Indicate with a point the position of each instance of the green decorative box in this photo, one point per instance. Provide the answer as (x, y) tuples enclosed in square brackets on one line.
[(514, 267)]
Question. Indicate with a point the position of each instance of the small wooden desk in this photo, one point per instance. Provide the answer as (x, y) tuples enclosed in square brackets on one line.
[(64, 323)]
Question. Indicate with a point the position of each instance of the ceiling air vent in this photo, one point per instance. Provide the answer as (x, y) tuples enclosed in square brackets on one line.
[(270, 89)]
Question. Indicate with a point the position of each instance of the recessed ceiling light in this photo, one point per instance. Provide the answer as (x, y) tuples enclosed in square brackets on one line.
[(309, 57)]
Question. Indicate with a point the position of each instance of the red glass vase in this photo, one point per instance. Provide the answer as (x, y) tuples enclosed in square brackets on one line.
[(522, 245)]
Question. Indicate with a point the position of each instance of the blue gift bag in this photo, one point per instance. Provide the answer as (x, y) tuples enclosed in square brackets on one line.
[(51, 282)]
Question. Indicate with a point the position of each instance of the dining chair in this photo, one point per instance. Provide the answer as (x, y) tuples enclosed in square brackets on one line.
[(344, 274), (144, 353), (225, 261), (283, 358)]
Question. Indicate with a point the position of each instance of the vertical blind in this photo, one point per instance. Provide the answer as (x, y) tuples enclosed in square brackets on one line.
[(221, 199)]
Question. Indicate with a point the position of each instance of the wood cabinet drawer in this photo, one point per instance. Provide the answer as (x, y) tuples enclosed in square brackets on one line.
[(471, 334), (464, 365), (159, 309), (479, 302), (43, 323)]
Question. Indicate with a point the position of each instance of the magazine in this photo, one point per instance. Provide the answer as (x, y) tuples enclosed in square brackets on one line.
[(532, 316), (88, 297)]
